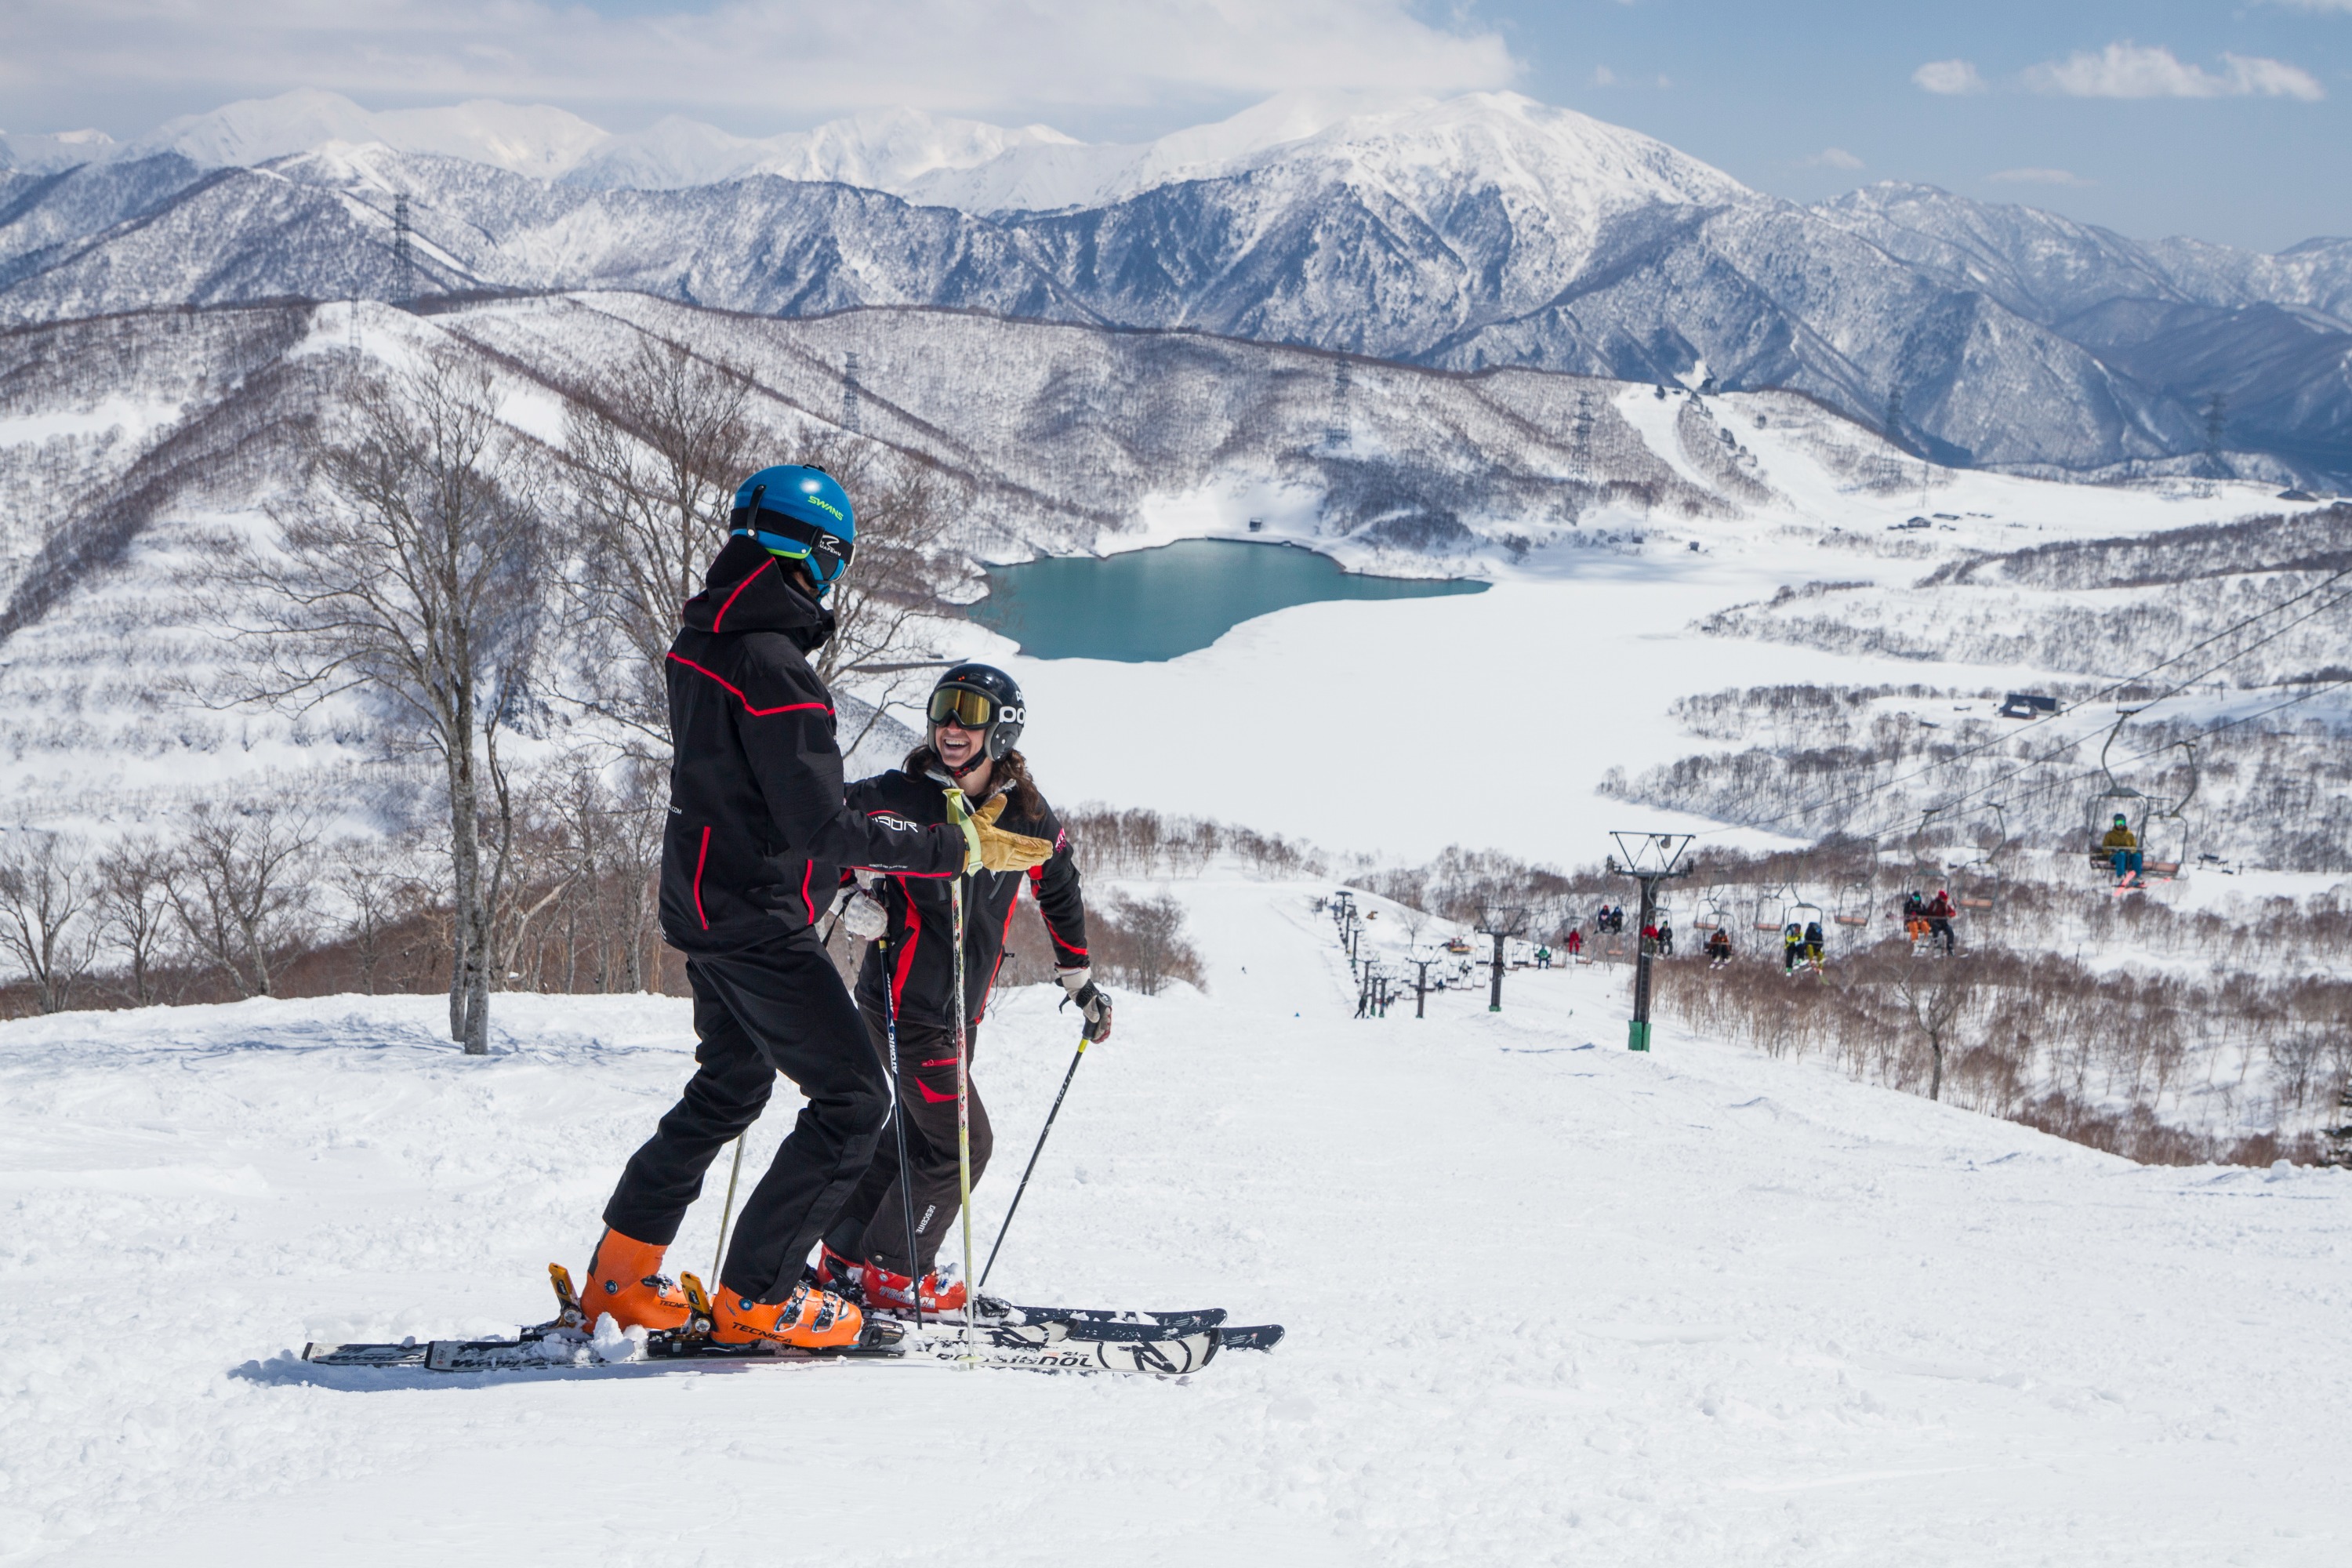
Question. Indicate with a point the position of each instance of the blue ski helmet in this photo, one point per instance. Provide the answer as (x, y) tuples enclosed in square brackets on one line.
[(800, 514)]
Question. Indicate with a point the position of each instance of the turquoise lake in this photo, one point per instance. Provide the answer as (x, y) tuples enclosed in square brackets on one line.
[(1143, 605)]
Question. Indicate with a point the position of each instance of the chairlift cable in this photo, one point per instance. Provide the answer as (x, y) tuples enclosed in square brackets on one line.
[(1871, 791)]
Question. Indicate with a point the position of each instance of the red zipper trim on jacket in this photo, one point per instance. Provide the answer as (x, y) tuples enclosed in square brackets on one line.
[(701, 856), (746, 582), (1002, 939), (1037, 888), (755, 712), (808, 869)]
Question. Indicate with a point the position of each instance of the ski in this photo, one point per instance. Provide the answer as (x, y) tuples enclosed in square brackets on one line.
[(995, 1310), (1040, 1349), (1045, 1339)]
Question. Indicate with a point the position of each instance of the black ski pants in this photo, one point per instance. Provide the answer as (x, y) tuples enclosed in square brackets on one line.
[(780, 1008), (874, 1222)]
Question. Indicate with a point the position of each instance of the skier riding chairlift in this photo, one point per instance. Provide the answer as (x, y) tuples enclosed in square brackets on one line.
[(1939, 911)]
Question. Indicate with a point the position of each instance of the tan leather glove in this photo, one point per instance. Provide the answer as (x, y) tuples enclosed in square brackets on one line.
[(993, 849)]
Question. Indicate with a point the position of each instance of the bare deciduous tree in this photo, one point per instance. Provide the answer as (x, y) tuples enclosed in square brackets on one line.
[(378, 893), (1142, 943), (241, 892), (656, 452), (134, 906), (48, 920), (412, 569), (903, 571)]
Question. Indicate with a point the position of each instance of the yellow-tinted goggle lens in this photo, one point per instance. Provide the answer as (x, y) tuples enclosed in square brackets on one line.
[(967, 710)]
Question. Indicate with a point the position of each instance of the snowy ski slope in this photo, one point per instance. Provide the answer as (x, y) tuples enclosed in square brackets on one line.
[(1549, 1301)]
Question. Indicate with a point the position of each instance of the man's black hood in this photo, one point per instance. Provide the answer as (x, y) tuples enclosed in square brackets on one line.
[(749, 590)]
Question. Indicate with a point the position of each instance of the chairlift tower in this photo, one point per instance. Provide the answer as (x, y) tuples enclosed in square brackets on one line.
[(1649, 858), (1501, 922)]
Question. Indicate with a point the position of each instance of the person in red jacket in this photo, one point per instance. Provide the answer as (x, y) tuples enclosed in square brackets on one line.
[(760, 833), (976, 715), (1939, 912)]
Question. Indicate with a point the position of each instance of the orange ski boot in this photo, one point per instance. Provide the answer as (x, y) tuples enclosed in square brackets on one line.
[(888, 1293), (626, 1283), (809, 1320)]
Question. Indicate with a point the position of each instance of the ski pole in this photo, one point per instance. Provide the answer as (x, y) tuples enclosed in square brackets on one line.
[(727, 1211), (959, 810), (1033, 1156), (899, 1120)]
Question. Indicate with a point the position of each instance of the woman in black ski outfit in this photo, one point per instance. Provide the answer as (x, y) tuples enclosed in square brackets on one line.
[(976, 714)]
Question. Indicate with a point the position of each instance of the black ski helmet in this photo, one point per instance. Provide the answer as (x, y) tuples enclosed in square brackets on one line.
[(1000, 714)]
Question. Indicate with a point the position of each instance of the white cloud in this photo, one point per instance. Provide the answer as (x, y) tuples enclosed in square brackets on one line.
[(2038, 177), (1949, 77), (795, 60), (1604, 77), (1833, 158), (2129, 70)]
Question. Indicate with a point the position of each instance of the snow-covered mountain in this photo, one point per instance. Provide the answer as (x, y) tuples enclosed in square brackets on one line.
[(1479, 231)]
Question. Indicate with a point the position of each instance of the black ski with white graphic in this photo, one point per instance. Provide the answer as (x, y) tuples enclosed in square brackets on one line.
[(1165, 1344), (998, 1310)]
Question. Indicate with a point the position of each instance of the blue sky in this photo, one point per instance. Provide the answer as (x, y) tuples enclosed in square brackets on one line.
[(2224, 121), (1766, 90)]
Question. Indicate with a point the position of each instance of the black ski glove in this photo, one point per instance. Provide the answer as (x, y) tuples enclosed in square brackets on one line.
[(1094, 1003)]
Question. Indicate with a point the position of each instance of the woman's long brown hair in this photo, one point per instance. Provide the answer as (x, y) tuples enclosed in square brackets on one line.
[(1009, 775)]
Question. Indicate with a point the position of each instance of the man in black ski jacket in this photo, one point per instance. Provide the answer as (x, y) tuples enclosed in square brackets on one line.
[(758, 836), (976, 713)]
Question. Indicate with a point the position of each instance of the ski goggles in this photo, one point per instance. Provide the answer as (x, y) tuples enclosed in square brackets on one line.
[(963, 707), (826, 555)]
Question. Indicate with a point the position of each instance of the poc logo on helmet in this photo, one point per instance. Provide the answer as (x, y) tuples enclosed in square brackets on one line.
[(1011, 715)]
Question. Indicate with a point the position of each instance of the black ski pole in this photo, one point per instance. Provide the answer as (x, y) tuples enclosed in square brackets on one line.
[(1033, 1156), (899, 1120)]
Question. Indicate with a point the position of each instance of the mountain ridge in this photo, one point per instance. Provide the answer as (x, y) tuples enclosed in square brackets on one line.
[(1483, 229)]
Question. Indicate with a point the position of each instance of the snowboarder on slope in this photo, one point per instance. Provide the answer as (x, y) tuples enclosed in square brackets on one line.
[(976, 714), (759, 834)]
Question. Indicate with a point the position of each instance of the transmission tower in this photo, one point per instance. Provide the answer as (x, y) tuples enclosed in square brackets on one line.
[(403, 255), (849, 394), (1336, 432)]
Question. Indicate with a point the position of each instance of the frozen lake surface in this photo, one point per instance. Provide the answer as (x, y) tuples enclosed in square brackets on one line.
[(1143, 605)]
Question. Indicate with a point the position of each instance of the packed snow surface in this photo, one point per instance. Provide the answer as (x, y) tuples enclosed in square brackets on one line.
[(1548, 1302)]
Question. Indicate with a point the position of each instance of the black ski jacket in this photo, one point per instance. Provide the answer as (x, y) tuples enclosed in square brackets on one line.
[(919, 958), (760, 833)]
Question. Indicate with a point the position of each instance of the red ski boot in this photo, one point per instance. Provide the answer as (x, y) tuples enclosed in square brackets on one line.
[(888, 1293), (836, 1272), (809, 1320), (625, 1283)]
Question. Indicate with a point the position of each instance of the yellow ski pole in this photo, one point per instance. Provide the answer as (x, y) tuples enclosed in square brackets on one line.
[(959, 810)]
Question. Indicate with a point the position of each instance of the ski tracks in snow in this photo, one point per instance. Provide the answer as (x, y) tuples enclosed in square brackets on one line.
[(1548, 1302)]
